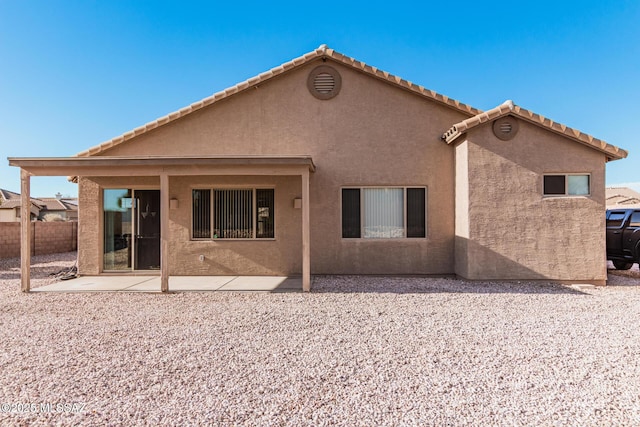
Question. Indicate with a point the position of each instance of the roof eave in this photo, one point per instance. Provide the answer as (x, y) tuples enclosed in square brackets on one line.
[(509, 108)]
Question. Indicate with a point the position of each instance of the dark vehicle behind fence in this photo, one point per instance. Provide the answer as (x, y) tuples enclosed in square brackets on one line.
[(623, 237)]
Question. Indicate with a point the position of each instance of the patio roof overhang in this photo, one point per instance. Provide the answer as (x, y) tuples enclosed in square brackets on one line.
[(162, 167), (158, 165)]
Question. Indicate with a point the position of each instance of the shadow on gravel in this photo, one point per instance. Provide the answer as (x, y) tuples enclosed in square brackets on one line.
[(417, 285)]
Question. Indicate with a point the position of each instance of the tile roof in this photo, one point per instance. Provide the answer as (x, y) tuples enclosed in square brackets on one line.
[(50, 203), (622, 197), (10, 200), (16, 203), (321, 52), (509, 108), (8, 195)]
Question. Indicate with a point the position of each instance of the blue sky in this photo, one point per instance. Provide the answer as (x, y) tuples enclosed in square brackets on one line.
[(76, 73)]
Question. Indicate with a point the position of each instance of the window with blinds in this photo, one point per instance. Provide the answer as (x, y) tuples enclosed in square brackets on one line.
[(233, 214), (384, 213)]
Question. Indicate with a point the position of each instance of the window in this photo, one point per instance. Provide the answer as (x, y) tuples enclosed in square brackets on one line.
[(233, 214), (615, 219), (384, 213), (567, 185), (635, 219)]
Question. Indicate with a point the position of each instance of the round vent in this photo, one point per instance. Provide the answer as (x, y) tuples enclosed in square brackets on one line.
[(324, 82), (505, 128)]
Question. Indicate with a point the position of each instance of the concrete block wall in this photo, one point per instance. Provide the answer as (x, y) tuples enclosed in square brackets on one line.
[(46, 238)]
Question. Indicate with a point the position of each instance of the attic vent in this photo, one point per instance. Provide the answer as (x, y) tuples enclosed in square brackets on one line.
[(505, 128), (324, 82)]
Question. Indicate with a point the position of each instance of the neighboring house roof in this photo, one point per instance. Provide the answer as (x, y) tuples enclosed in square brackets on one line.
[(11, 200), (55, 204), (17, 203), (509, 108), (51, 203), (8, 195), (321, 52), (622, 197)]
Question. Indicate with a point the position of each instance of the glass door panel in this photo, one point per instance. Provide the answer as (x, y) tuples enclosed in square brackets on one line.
[(118, 229), (147, 229)]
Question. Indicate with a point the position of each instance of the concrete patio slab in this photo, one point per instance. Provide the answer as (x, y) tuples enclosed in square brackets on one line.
[(197, 283), (176, 284), (261, 283), (97, 284)]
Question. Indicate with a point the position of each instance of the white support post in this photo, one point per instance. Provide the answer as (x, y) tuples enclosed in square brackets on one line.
[(25, 230), (306, 237), (164, 232)]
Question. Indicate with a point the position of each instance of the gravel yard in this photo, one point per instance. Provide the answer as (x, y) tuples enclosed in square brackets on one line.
[(356, 351)]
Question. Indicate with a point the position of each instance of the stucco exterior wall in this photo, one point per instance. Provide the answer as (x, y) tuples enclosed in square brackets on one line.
[(9, 215), (371, 134), (462, 229), (517, 233)]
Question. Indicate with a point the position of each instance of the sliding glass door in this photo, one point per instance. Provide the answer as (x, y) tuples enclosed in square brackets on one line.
[(131, 229)]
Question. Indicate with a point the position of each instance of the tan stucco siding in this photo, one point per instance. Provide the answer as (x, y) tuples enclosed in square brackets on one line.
[(462, 209), (89, 227), (371, 134), (515, 232), (8, 215)]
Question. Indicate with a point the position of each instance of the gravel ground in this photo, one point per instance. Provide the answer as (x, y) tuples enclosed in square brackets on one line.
[(356, 351)]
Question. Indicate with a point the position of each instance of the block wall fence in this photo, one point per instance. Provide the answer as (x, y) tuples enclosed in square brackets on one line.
[(46, 238)]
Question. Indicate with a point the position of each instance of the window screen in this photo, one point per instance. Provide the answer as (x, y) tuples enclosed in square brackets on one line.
[(416, 212), (201, 214), (554, 184), (264, 214), (350, 212)]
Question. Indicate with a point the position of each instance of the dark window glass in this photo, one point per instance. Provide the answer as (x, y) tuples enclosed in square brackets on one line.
[(201, 214), (615, 219), (416, 212), (351, 213), (635, 219), (264, 214), (554, 184)]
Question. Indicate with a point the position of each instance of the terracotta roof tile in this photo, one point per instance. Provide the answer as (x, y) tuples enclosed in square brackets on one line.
[(622, 197), (13, 203), (8, 195), (509, 108), (321, 52)]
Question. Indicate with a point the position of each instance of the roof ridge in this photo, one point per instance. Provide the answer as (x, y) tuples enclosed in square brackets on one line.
[(508, 107), (322, 51)]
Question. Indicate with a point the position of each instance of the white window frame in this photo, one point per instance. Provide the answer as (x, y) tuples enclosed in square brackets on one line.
[(566, 185), (212, 213), (404, 199)]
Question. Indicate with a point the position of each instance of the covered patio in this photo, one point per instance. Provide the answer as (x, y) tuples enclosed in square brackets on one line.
[(110, 283), (165, 167)]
